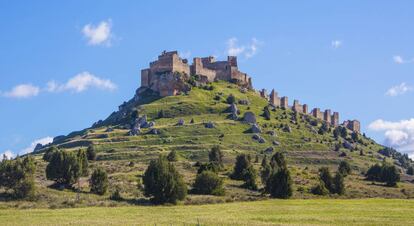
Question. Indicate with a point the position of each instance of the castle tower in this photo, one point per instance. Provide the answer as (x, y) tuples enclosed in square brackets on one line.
[(274, 99), (305, 109), (327, 116), (284, 103), (316, 112), (296, 106), (263, 93), (335, 119)]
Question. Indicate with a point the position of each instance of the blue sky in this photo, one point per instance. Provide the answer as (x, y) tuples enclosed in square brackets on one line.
[(67, 65)]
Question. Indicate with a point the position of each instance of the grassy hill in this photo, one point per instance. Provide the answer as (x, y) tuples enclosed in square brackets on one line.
[(126, 157)]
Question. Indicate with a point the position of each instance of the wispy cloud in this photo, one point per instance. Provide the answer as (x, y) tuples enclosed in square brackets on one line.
[(336, 44), (31, 147), (399, 134), (100, 34), (22, 91), (398, 90), (248, 50), (400, 60), (81, 82), (8, 154)]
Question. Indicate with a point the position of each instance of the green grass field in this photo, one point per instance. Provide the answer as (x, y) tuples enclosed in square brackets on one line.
[(270, 212)]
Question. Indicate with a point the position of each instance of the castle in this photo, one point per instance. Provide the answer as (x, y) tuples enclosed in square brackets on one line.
[(168, 76)]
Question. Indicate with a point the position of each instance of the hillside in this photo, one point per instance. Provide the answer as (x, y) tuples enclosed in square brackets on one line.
[(298, 136)]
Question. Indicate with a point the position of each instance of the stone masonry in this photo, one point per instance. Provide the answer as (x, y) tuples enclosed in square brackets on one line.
[(166, 75)]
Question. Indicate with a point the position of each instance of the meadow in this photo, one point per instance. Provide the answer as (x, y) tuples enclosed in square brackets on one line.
[(269, 212)]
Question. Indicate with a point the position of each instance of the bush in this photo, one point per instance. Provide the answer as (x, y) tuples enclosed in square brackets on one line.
[(338, 182), (278, 161), (266, 171), (83, 162), (116, 195), (386, 173), (211, 166), (249, 178), (172, 156), (91, 153), (18, 176), (326, 177), (216, 156), (99, 182), (231, 99), (280, 184), (344, 168), (49, 152), (319, 189), (63, 168), (242, 163), (208, 183), (163, 183)]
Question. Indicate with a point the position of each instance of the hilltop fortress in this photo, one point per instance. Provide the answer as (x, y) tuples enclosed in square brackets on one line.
[(169, 75)]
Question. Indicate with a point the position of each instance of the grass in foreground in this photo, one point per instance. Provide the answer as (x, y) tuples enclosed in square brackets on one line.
[(270, 212)]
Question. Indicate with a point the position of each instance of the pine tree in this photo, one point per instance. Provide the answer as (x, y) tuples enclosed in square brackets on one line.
[(99, 182)]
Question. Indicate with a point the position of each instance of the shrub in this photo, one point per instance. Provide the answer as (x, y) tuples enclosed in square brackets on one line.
[(18, 176), (63, 168), (326, 177), (83, 162), (374, 173), (208, 183), (266, 171), (211, 166), (99, 182), (390, 175), (242, 163), (116, 195), (338, 182), (280, 184), (216, 156), (319, 189), (278, 161), (163, 183), (172, 156), (344, 168), (161, 114), (49, 152), (91, 153), (249, 178), (231, 99)]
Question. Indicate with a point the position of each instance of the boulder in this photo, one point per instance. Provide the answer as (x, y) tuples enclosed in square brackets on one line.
[(233, 111), (262, 140), (269, 150), (271, 133), (255, 129), (244, 102), (209, 125), (109, 129), (258, 138), (180, 122), (135, 131), (249, 117), (287, 129), (151, 124), (154, 131), (348, 145), (276, 143)]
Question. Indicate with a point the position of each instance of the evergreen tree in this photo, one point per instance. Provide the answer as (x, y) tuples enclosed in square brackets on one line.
[(339, 186), (249, 178), (99, 182), (344, 168), (326, 177), (242, 163), (216, 155), (278, 161), (266, 171), (410, 170), (172, 156), (63, 168), (163, 183), (83, 162), (280, 184), (18, 176), (91, 153), (49, 152)]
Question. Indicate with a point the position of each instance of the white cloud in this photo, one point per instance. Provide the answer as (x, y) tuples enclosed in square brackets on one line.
[(398, 90), (80, 83), (248, 51), (336, 44), (23, 91), (400, 60), (8, 154), (31, 147), (399, 135), (100, 34)]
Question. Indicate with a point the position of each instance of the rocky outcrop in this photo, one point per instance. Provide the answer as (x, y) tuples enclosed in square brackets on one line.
[(255, 129), (233, 111)]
